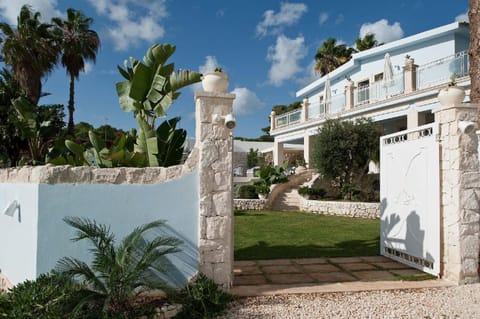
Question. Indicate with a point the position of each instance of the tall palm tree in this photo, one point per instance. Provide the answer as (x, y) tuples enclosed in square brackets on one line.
[(474, 52), (31, 50), (79, 44), (367, 42), (330, 56)]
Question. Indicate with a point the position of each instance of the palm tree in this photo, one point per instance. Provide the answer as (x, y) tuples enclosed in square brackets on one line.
[(330, 56), (31, 50), (79, 44), (367, 42), (118, 273), (474, 56)]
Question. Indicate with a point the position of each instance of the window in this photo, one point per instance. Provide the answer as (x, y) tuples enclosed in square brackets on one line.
[(363, 92)]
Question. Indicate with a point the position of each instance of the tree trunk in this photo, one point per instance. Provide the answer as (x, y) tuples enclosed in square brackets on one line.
[(71, 107), (474, 52)]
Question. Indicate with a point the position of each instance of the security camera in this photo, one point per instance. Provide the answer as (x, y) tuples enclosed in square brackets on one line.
[(467, 127), (230, 122)]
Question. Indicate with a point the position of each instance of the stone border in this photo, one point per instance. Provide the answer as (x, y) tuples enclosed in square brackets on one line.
[(347, 209), (67, 174), (250, 204)]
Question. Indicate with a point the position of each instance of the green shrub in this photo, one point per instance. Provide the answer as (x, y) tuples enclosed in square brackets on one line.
[(312, 192), (247, 192), (262, 188), (203, 299), (51, 295)]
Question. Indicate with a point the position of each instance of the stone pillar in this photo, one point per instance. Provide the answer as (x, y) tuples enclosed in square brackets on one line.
[(305, 105), (412, 117), (349, 91), (460, 194), (307, 149), (277, 153), (215, 144), (272, 121), (410, 75)]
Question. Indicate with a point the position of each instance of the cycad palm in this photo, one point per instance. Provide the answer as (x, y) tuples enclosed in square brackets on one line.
[(31, 50), (79, 44), (118, 272), (330, 56)]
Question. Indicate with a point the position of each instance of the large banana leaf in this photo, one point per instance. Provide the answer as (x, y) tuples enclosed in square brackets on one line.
[(182, 78), (147, 141)]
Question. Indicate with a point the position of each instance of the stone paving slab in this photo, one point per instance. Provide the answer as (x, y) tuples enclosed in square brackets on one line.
[(343, 260), (320, 268), (355, 286), (374, 275), (281, 269), (308, 261), (289, 278), (358, 266), (305, 275), (391, 265), (337, 276)]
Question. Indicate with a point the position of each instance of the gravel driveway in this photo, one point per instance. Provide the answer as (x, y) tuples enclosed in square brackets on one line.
[(452, 302)]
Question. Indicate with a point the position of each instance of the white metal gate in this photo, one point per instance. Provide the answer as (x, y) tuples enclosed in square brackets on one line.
[(410, 198)]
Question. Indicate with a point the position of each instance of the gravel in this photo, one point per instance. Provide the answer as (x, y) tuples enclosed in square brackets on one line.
[(452, 302)]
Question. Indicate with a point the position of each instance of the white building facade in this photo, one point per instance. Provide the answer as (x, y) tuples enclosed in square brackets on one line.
[(364, 88)]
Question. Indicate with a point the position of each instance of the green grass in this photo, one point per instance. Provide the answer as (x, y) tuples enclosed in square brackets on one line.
[(272, 235)]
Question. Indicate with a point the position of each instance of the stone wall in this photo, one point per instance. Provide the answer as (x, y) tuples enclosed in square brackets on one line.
[(250, 204), (66, 174), (347, 209), (460, 193)]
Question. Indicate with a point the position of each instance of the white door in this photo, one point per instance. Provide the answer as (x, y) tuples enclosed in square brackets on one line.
[(410, 198)]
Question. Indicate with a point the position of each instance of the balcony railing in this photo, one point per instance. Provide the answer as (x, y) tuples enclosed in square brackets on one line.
[(440, 71), (379, 91), (427, 75), (289, 118)]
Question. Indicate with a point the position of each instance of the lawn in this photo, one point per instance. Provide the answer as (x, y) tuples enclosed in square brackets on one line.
[(271, 235)]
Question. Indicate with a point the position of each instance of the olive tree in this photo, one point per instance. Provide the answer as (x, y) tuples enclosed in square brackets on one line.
[(343, 149)]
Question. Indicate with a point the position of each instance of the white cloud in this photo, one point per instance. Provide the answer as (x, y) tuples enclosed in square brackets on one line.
[(462, 17), (383, 31), (134, 21), (9, 9), (273, 23), (246, 102), (310, 74), (209, 66), (339, 19), (322, 18), (285, 56), (88, 67)]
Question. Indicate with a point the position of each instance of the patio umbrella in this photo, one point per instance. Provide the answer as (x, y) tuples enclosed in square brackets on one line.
[(327, 95), (387, 70)]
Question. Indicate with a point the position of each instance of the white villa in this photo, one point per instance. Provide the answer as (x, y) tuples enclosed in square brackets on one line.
[(395, 84)]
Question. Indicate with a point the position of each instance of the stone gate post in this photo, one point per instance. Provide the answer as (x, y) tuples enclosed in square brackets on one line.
[(215, 143), (460, 193)]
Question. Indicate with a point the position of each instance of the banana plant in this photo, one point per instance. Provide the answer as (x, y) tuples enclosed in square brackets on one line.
[(151, 87)]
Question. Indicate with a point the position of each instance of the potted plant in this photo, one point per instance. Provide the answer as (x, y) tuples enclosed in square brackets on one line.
[(262, 190), (216, 81), (451, 95)]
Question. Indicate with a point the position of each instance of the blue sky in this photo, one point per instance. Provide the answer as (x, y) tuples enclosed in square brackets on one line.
[(266, 47)]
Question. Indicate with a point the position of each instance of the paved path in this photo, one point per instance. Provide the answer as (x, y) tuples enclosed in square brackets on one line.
[(280, 276)]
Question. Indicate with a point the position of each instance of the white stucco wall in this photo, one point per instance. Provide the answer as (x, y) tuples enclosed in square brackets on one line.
[(18, 233), (42, 237)]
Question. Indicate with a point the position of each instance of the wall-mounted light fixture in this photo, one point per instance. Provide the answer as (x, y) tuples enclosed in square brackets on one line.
[(467, 127), (228, 120), (11, 209)]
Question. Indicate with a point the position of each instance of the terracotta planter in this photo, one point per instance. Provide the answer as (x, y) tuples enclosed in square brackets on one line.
[(451, 96), (216, 82)]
